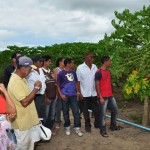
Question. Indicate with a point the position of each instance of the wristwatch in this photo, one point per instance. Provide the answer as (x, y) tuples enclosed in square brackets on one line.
[(37, 87)]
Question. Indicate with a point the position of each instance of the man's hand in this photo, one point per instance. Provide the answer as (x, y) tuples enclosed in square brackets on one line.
[(10, 117), (64, 98), (102, 101), (38, 84), (79, 96)]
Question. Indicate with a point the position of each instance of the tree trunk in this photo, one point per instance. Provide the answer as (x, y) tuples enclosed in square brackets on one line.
[(145, 120)]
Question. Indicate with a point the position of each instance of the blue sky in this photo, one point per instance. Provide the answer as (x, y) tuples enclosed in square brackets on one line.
[(47, 22)]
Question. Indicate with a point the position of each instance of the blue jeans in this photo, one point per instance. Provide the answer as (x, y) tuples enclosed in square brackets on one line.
[(73, 103), (111, 104), (58, 109)]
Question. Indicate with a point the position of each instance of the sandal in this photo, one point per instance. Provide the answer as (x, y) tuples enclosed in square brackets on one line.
[(104, 134), (116, 128), (57, 126)]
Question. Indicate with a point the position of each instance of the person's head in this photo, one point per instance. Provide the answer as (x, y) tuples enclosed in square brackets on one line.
[(88, 58), (47, 61), (68, 63), (60, 62), (72, 64), (105, 60), (24, 65), (15, 55), (37, 61)]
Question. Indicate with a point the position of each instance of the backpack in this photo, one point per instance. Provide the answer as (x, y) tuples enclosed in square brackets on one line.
[(51, 86)]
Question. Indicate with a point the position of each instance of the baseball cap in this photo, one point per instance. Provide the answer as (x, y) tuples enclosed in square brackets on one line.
[(25, 61), (37, 58)]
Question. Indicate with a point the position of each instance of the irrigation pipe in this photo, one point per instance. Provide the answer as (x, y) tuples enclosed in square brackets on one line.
[(127, 122)]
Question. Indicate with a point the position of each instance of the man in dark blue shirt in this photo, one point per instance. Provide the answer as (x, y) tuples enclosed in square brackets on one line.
[(10, 68)]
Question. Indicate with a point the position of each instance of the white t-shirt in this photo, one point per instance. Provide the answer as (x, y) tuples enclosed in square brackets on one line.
[(86, 77), (35, 76)]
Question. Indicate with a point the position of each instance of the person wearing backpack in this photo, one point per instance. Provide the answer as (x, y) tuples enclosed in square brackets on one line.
[(51, 92), (105, 96)]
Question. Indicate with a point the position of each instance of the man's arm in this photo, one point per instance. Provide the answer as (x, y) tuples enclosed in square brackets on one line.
[(63, 97), (28, 100), (79, 94), (10, 106), (97, 82), (78, 73), (98, 92), (55, 74)]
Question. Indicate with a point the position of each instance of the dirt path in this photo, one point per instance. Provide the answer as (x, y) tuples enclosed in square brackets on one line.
[(129, 138)]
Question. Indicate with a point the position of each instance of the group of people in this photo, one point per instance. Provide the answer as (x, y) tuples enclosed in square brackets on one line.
[(35, 92)]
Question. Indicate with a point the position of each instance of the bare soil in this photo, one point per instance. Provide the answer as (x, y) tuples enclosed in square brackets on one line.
[(129, 138)]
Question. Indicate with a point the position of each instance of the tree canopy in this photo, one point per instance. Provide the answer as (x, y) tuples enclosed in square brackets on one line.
[(128, 47)]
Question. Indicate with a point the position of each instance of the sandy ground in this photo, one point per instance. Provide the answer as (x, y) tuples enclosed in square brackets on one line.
[(129, 138)]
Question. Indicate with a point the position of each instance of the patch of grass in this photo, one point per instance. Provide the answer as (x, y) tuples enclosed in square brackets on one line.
[(134, 116), (137, 119)]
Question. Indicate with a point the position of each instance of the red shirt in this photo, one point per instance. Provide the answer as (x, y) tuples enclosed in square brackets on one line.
[(2, 105), (105, 82)]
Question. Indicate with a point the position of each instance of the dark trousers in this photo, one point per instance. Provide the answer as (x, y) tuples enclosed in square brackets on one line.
[(91, 102), (73, 103), (81, 106), (40, 106), (50, 114), (58, 109)]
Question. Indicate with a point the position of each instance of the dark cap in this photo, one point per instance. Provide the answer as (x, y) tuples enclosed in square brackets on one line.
[(25, 61), (37, 58)]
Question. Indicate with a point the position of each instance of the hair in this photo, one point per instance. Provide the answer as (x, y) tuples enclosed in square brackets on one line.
[(104, 58), (14, 55), (46, 57), (58, 61), (67, 61), (87, 54)]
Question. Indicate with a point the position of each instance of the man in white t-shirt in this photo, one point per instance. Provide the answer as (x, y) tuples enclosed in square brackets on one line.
[(86, 86), (37, 74)]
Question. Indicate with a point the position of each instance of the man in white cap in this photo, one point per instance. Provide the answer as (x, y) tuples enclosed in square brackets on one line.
[(19, 91)]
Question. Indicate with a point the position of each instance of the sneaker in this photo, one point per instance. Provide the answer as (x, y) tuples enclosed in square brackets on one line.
[(77, 130), (67, 131)]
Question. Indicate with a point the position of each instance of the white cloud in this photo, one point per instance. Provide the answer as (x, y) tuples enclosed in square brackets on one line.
[(6, 33), (80, 20)]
